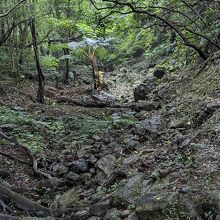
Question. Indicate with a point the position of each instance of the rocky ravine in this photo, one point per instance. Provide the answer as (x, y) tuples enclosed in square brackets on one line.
[(162, 162), (163, 165)]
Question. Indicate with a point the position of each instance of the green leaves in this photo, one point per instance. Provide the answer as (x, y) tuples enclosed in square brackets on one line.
[(49, 62)]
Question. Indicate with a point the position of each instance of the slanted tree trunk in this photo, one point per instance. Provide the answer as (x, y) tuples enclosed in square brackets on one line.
[(94, 71), (41, 79)]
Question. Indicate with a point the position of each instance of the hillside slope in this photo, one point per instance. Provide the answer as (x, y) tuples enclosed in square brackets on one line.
[(159, 160)]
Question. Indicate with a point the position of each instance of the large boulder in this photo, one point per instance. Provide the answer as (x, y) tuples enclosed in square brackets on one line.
[(151, 126), (69, 200), (155, 205), (107, 164), (141, 91), (128, 190), (79, 165), (100, 208), (159, 73)]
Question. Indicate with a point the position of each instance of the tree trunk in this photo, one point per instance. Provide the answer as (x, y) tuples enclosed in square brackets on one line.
[(41, 83), (67, 69), (66, 50), (94, 71)]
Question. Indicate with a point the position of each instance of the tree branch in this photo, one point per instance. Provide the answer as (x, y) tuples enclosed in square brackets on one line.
[(12, 9), (168, 23), (8, 33)]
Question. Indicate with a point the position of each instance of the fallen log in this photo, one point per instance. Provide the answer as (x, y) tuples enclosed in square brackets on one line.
[(23, 203), (93, 103)]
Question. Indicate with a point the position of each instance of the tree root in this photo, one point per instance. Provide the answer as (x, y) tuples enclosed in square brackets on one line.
[(5, 208), (14, 158), (23, 203), (33, 161), (16, 142)]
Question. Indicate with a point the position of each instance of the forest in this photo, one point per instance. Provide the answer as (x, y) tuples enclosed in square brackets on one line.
[(109, 110)]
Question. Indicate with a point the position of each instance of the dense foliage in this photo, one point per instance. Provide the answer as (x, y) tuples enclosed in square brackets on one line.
[(180, 29)]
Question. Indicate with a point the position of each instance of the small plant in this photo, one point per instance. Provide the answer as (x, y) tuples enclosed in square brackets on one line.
[(50, 62), (209, 215)]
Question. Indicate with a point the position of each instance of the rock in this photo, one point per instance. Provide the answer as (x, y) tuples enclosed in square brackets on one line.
[(79, 165), (81, 153), (92, 170), (159, 73), (96, 138), (153, 206), (73, 178), (82, 215), (104, 151), (213, 202), (147, 105), (85, 151), (98, 195), (138, 52), (130, 143), (94, 218), (213, 105), (103, 96), (179, 138), (182, 141), (69, 200), (185, 143), (128, 190), (188, 207), (141, 92), (36, 218), (106, 164), (115, 177), (132, 216), (113, 145), (86, 177), (176, 124), (125, 213), (131, 160), (60, 169), (92, 159), (100, 208), (152, 126), (100, 177), (87, 193), (112, 214)]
